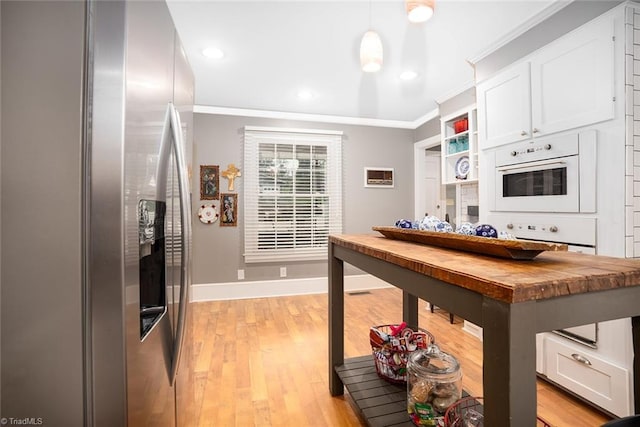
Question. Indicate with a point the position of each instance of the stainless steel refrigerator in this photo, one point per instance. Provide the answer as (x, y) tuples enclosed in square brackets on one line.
[(96, 131)]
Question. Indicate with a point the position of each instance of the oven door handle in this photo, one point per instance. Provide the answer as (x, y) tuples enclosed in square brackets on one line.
[(530, 165)]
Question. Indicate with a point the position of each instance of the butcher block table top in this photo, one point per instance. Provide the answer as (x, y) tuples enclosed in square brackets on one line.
[(549, 275), (512, 300)]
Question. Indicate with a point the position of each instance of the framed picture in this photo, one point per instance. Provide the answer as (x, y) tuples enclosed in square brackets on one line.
[(228, 209), (378, 177), (209, 182)]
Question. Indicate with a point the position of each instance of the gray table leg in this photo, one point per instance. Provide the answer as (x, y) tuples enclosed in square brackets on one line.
[(635, 324), (409, 308), (509, 364), (336, 321)]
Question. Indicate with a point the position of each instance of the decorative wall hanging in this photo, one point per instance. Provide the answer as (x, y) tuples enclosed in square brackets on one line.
[(209, 182), (231, 174), (378, 177), (229, 209), (208, 213)]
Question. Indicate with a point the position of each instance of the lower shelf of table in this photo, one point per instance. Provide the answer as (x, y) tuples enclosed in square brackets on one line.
[(381, 403)]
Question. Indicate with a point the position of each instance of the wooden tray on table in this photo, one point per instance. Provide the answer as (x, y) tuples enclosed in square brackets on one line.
[(503, 248)]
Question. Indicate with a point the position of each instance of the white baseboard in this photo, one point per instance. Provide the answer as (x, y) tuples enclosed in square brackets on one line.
[(276, 288), (473, 329)]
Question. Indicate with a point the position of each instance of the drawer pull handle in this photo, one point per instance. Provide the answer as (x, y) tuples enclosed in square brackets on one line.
[(581, 359)]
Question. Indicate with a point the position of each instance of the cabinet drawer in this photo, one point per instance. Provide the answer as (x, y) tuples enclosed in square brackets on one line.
[(595, 379)]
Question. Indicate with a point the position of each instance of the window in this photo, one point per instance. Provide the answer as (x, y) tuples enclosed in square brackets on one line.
[(292, 193)]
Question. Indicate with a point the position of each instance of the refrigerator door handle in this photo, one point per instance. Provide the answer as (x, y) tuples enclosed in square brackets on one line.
[(185, 219)]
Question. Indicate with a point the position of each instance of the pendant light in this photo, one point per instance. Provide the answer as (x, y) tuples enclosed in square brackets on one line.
[(419, 10), (370, 50)]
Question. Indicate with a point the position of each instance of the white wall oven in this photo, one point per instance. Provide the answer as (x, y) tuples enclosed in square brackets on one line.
[(552, 175)]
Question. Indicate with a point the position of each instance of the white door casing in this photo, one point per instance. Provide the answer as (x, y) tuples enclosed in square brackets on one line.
[(420, 174)]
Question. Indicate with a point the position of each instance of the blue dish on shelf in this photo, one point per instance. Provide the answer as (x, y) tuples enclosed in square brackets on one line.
[(462, 167)]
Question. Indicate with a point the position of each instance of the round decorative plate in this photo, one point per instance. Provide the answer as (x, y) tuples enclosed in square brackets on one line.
[(208, 214), (462, 167)]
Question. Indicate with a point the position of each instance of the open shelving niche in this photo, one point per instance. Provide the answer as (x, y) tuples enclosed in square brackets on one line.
[(457, 143)]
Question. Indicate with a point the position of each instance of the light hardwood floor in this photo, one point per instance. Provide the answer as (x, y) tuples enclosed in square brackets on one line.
[(263, 362)]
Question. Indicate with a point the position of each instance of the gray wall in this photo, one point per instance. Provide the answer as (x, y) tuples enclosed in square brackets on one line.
[(427, 130), (218, 140), (452, 105), (565, 20), (42, 63), (461, 101)]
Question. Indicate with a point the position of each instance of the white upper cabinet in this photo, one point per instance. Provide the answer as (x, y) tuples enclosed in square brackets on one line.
[(566, 84), (572, 80), (504, 107)]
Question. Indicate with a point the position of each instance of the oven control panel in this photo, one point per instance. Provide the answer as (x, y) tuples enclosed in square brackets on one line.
[(572, 230), (531, 228), (529, 151), (542, 231)]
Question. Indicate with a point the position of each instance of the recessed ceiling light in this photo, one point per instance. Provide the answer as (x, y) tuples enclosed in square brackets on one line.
[(213, 53), (305, 95), (408, 75)]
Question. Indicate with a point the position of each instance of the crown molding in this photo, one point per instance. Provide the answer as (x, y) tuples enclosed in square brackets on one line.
[(521, 29), (400, 124), (292, 130), (427, 117)]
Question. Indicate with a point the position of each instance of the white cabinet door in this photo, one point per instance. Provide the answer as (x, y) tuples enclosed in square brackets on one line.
[(572, 80), (432, 188), (504, 107)]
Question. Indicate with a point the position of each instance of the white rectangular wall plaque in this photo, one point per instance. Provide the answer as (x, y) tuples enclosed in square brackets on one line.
[(378, 177)]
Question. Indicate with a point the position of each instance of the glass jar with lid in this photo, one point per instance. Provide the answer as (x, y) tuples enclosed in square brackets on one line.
[(434, 382)]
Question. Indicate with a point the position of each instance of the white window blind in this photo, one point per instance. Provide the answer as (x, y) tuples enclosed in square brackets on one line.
[(292, 193)]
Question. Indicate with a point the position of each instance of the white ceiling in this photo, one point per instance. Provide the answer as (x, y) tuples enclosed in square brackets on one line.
[(273, 49)]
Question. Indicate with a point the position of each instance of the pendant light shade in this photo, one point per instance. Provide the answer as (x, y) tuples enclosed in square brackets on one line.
[(419, 10), (371, 52)]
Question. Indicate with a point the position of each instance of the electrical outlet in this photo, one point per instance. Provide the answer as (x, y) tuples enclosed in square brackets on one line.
[(283, 271), (240, 274)]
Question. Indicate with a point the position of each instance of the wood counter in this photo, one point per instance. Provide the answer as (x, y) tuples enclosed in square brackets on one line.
[(512, 300)]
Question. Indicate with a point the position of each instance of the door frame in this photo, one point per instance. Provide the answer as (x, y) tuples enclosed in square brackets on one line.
[(419, 172)]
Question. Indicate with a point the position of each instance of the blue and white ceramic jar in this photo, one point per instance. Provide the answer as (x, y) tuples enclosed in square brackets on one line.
[(429, 223), (486, 230), (404, 223), (444, 227), (505, 235), (466, 228)]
